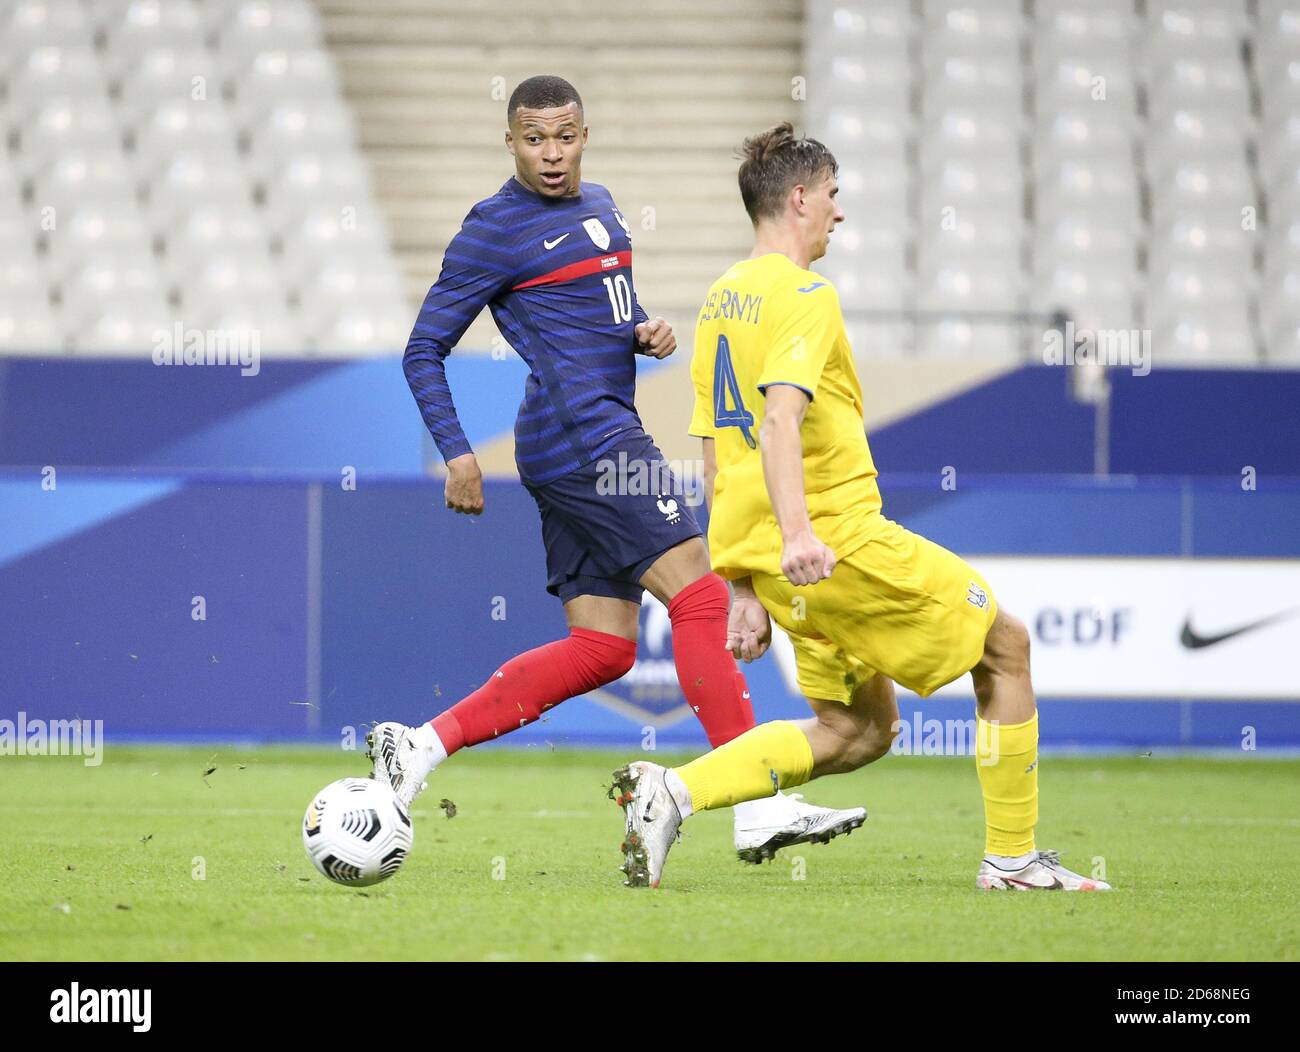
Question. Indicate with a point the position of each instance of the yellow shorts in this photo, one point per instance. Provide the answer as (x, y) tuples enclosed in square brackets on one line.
[(900, 605)]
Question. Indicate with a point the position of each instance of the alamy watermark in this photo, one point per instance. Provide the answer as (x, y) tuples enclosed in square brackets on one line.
[(931, 737), (75, 1005), (24, 737), (181, 346), (668, 480), (1130, 348)]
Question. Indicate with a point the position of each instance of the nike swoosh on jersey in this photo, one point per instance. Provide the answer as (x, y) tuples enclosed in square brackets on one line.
[(548, 245), (1193, 641)]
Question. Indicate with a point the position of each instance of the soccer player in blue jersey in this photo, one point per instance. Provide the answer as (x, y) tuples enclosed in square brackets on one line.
[(551, 257)]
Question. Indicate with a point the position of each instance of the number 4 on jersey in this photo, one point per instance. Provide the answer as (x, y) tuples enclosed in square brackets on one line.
[(725, 386)]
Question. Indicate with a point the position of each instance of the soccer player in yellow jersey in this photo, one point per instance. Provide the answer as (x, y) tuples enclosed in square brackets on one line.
[(796, 526)]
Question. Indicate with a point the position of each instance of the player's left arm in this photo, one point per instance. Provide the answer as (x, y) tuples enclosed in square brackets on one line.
[(797, 353)]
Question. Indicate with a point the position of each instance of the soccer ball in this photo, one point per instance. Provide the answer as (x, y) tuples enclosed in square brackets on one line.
[(356, 832)]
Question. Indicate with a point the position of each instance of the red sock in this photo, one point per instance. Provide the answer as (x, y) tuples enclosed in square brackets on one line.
[(713, 685), (530, 683)]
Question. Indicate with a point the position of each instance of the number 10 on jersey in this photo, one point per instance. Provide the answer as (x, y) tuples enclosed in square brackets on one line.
[(620, 297)]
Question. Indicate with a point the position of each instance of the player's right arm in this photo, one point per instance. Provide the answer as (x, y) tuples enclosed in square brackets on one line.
[(475, 269), (792, 367)]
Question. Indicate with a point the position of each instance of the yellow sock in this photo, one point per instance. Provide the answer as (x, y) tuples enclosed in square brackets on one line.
[(771, 756), (1007, 762)]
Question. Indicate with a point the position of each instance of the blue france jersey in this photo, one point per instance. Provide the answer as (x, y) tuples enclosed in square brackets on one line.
[(557, 275)]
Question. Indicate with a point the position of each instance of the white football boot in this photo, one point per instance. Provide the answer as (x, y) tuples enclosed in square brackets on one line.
[(651, 821), (763, 827), (398, 761), (1042, 872)]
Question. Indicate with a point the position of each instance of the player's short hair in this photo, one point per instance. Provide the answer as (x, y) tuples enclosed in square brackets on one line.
[(542, 93), (773, 162)]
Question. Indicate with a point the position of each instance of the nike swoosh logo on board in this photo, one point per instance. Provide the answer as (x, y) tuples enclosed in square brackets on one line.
[(1194, 641), (548, 245)]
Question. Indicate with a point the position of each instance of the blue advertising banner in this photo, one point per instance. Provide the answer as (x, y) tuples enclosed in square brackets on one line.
[(179, 606)]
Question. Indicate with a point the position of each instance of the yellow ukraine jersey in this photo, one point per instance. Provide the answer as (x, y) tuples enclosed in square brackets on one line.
[(768, 321)]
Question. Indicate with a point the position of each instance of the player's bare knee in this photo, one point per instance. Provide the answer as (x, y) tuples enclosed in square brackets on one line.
[(874, 742), (860, 744)]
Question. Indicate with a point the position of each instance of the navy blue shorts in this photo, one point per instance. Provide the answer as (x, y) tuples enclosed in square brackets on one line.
[(606, 523)]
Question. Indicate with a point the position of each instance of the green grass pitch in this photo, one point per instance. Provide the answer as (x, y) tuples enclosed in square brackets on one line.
[(103, 863)]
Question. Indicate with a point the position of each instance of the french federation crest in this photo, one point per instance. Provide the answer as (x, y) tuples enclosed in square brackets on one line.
[(649, 694), (596, 231)]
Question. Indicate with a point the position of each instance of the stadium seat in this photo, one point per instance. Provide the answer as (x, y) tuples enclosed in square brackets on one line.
[(16, 227), (868, 32), (208, 230), (309, 179), (880, 134), (78, 174), (963, 339), (1079, 132), (346, 279), (1095, 296), (1195, 239), (1106, 191), (121, 326), (93, 284), (26, 25), (1201, 85), (233, 275), (1279, 301), (960, 287), (145, 25), (869, 287), (165, 74), (1072, 81), (193, 179), (971, 31), (89, 226), (1191, 338), (1188, 135), (181, 124), (1047, 11), (271, 77), (356, 328), (872, 340), (264, 25), (294, 126), (1279, 151), (1283, 240), (50, 72), (21, 274), (1277, 40), (61, 124), (966, 131), (982, 184), (327, 232), (1217, 185), (992, 82), (1178, 31), (28, 325), (270, 328)]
